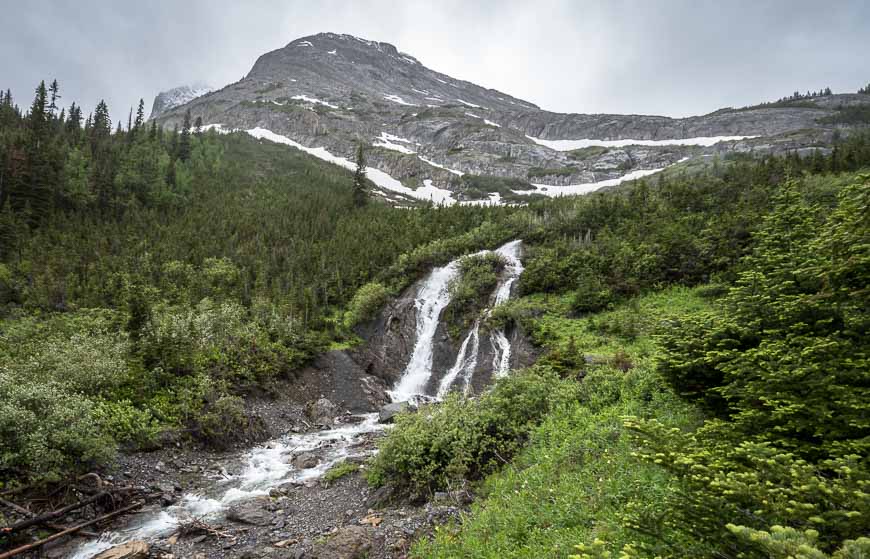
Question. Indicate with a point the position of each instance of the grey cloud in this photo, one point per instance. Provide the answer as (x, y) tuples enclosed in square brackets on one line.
[(675, 57)]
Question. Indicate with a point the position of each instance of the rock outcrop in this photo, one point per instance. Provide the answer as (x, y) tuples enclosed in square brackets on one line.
[(333, 91)]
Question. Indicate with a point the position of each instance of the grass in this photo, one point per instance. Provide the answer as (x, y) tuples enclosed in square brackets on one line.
[(339, 471), (578, 477)]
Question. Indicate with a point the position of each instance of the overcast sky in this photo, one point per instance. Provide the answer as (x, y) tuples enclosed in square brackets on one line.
[(669, 57)]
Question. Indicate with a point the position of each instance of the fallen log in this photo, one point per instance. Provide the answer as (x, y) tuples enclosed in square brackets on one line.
[(48, 517), (68, 531)]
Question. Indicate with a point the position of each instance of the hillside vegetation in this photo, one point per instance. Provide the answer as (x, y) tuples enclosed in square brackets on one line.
[(702, 391)]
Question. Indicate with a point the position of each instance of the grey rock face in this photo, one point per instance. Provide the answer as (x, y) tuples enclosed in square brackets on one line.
[(334, 91), (175, 97)]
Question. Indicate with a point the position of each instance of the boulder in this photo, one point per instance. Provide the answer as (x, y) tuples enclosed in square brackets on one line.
[(389, 412), (253, 511), (306, 460), (349, 542), (130, 550), (321, 412)]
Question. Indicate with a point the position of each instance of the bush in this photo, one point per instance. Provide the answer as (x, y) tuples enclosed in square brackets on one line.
[(368, 300), (46, 431), (225, 422), (462, 439), (471, 290)]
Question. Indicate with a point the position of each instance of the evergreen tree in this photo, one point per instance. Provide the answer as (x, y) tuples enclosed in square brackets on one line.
[(360, 190), (54, 89), (184, 139), (140, 114)]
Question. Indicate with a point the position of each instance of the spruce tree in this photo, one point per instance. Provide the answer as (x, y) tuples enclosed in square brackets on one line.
[(140, 114), (360, 191), (184, 139)]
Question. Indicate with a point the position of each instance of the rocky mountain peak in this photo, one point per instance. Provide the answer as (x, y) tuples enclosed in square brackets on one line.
[(434, 137), (177, 96)]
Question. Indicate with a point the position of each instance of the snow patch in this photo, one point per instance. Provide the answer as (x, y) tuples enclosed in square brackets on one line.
[(387, 141), (493, 200), (442, 81), (332, 52), (568, 145), (491, 123), (380, 178), (430, 162), (472, 105), (304, 44), (399, 100), (308, 99), (473, 115), (555, 191)]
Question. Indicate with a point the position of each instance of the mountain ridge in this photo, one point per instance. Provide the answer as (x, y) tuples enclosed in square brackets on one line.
[(334, 91)]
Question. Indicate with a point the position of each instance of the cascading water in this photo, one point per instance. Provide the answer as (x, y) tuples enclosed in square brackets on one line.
[(431, 300), (466, 361), (266, 467), (501, 345), (269, 466)]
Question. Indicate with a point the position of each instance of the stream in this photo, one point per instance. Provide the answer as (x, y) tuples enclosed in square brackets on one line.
[(269, 466)]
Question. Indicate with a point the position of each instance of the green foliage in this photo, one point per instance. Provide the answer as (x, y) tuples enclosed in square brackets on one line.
[(577, 477), (224, 422), (537, 172), (471, 290), (590, 152), (460, 439), (340, 470), (786, 358), (480, 186), (850, 114), (366, 303)]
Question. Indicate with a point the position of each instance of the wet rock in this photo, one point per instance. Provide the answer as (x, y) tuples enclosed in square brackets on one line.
[(253, 511), (321, 411), (349, 542), (129, 550), (389, 412), (306, 460)]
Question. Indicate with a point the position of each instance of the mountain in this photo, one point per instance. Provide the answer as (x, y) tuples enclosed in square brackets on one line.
[(435, 137), (168, 100)]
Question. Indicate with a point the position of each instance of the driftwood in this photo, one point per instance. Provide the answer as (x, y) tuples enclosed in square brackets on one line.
[(53, 515), (69, 531)]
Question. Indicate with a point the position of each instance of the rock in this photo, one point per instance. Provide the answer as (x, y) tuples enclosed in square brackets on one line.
[(321, 412), (349, 542), (380, 497), (253, 511), (306, 460), (389, 412), (130, 550)]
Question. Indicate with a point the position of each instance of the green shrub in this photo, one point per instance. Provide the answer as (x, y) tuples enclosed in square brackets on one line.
[(471, 290), (339, 471), (368, 300), (537, 172), (125, 423), (46, 431), (462, 439), (223, 422)]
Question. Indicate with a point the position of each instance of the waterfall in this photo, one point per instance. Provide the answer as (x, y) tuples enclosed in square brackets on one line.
[(501, 345), (466, 361), (467, 358), (432, 298)]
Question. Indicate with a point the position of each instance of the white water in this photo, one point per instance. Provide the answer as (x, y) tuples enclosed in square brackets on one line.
[(432, 298), (502, 346), (266, 467), (269, 466), (466, 361), (467, 358)]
